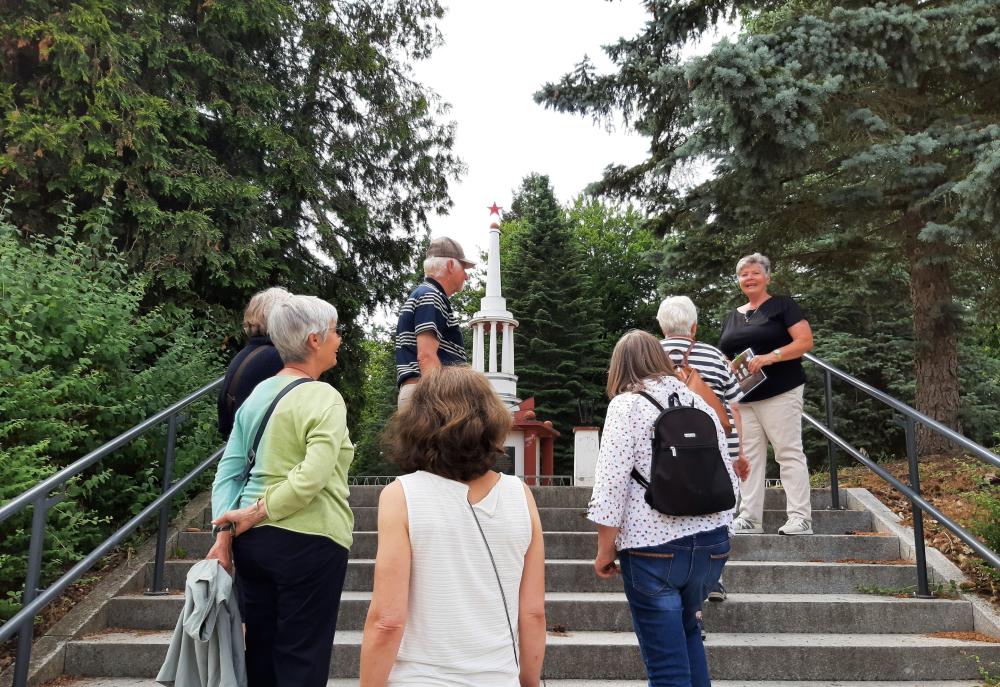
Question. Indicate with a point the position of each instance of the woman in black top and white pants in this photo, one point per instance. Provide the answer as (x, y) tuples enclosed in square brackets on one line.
[(776, 330)]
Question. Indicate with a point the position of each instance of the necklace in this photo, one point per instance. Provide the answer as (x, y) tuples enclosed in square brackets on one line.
[(747, 314)]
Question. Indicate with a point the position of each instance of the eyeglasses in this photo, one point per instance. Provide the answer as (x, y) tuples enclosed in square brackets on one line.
[(340, 329)]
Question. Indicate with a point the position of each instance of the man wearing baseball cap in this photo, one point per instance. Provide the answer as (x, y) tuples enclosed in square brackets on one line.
[(427, 333)]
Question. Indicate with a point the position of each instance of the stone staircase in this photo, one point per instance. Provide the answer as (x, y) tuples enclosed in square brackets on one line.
[(794, 616)]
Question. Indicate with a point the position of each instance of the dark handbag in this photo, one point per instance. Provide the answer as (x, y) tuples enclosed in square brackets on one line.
[(688, 475)]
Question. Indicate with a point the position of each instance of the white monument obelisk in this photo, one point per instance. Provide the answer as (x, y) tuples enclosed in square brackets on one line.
[(496, 322)]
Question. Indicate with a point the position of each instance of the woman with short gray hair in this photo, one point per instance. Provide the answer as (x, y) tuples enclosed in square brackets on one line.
[(776, 331), (678, 318), (255, 362), (280, 510)]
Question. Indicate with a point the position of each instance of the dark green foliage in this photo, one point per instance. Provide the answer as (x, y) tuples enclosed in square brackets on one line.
[(561, 349), (841, 134), (379, 404), (619, 252), (80, 364), (243, 143)]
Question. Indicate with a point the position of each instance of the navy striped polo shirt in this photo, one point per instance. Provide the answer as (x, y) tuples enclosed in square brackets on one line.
[(427, 309)]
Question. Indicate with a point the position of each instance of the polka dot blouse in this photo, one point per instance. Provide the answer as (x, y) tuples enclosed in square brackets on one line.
[(617, 500)]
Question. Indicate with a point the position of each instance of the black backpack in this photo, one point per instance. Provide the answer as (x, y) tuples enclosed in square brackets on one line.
[(689, 476)]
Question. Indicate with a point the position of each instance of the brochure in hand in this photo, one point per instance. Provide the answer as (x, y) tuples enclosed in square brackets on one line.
[(748, 382)]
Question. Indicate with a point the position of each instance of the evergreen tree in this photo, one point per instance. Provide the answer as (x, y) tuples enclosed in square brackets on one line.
[(841, 133), (243, 142), (560, 345), (619, 251)]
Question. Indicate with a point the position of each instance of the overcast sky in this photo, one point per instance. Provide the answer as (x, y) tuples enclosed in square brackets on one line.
[(495, 56)]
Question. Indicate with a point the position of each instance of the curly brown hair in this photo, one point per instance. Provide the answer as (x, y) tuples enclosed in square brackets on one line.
[(454, 425)]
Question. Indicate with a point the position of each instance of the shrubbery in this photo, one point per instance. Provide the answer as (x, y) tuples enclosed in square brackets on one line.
[(81, 362)]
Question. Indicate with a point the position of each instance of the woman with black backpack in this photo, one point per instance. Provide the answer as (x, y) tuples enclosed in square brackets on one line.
[(663, 500)]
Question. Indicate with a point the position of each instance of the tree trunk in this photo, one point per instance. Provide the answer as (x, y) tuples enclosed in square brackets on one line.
[(935, 328)]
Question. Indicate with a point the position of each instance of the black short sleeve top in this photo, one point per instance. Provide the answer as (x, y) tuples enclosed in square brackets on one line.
[(763, 330)]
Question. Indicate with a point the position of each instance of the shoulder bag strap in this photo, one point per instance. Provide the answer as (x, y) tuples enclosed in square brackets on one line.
[(252, 453), (687, 353), (503, 596), (652, 400), (636, 475), (237, 376)]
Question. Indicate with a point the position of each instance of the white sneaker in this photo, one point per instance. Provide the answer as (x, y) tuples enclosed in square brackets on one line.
[(743, 525), (796, 526)]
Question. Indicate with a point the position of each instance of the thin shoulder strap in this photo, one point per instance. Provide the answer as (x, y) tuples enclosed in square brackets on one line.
[(688, 352), (673, 401), (652, 400), (503, 596), (252, 453)]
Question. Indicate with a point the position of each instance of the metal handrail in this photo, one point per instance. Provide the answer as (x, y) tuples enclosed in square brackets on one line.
[(34, 600), (909, 418), (986, 553), (73, 469), (894, 403), (29, 611)]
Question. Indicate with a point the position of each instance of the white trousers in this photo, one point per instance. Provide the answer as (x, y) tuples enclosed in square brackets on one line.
[(777, 420)]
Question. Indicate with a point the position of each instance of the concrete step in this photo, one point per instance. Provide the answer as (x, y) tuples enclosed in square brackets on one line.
[(348, 682), (579, 497), (615, 656), (575, 520), (748, 577), (561, 545), (608, 612)]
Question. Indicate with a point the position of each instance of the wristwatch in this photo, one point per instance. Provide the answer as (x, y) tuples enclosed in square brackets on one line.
[(777, 353), (228, 527)]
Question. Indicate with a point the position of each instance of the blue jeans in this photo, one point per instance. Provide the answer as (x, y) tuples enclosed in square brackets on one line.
[(665, 586)]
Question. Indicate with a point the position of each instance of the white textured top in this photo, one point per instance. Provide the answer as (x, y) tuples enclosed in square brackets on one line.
[(618, 500), (456, 632)]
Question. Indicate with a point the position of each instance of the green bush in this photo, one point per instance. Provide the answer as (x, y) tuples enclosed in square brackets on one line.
[(80, 362), (379, 387), (986, 525)]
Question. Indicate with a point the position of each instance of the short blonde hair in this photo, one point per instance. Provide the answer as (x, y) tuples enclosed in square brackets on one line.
[(259, 307), (637, 356)]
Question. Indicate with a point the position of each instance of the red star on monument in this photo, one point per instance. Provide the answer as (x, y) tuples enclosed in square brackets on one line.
[(494, 209)]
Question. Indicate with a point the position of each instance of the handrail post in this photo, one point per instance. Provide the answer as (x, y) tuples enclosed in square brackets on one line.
[(26, 634), (831, 451), (158, 587), (910, 428)]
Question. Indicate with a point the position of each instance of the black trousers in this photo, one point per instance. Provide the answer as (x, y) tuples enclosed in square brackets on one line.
[(291, 585)]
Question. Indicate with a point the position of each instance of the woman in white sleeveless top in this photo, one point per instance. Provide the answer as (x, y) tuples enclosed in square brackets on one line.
[(448, 608)]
